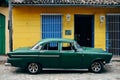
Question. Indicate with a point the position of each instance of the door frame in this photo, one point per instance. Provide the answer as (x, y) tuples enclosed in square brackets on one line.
[(93, 21), (3, 35)]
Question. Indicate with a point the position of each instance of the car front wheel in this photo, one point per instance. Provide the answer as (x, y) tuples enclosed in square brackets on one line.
[(33, 68), (96, 67)]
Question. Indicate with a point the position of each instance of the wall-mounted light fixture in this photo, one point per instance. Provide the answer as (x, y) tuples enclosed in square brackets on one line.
[(68, 17), (102, 18)]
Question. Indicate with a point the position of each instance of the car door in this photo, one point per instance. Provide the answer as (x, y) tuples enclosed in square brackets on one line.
[(69, 58), (49, 55)]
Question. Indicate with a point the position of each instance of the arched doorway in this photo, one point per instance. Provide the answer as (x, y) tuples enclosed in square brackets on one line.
[(2, 34)]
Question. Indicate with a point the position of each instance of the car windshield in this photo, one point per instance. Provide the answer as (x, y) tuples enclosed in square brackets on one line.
[(78, 46), (34, 45)]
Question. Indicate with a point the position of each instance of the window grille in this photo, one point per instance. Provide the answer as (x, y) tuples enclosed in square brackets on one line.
[(51, 27), (113, 34)]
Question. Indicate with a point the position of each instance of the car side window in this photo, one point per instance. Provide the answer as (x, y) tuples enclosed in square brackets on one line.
[(67, 46), (50, 46)]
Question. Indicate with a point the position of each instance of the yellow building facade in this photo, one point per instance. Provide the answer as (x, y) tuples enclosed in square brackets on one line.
[(27, 23), (91, 23)]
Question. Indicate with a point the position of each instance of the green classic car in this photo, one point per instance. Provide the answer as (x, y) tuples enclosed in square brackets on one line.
[(58, 54)]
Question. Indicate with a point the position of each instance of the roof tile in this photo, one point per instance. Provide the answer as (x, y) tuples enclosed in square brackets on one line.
[(86, 2)]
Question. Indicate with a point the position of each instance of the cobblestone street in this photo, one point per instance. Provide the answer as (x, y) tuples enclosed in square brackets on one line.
[(12, 73)]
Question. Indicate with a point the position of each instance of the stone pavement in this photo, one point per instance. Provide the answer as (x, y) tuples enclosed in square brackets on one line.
[(14, 73), (3, 58)]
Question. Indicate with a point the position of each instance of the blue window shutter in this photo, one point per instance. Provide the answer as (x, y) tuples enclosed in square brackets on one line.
[(51, 26)]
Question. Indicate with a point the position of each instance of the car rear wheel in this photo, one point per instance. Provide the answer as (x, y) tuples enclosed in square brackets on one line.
[(33, 68), (96, 67)]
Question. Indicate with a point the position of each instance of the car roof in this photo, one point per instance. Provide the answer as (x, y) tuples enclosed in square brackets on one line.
[(56, 39)]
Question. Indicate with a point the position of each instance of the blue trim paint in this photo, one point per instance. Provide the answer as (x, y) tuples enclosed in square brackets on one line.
[(93, 31), (107, 35)]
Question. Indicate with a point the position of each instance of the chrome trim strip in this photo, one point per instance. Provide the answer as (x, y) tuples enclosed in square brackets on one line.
[(35, 55), (24, 55), (65, 69), (49, 56)]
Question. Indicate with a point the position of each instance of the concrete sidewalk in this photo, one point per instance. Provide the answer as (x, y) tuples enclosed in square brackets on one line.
[(3, 58), (116, 58)]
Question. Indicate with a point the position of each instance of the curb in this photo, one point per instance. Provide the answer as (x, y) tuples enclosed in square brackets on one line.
[(115, 60)]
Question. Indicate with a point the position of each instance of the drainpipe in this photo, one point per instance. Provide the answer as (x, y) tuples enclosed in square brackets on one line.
[(10, 27)]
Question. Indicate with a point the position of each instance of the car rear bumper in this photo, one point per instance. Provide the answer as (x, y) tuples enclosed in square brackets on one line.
[(8, 64)]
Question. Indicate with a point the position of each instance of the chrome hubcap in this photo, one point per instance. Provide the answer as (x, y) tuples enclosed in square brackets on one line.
[(96, 67), (33, 67)]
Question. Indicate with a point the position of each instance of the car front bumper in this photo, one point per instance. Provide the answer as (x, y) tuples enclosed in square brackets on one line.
[(110, 64)]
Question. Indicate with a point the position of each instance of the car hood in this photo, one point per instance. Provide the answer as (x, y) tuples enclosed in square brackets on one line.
[(93, 49)]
